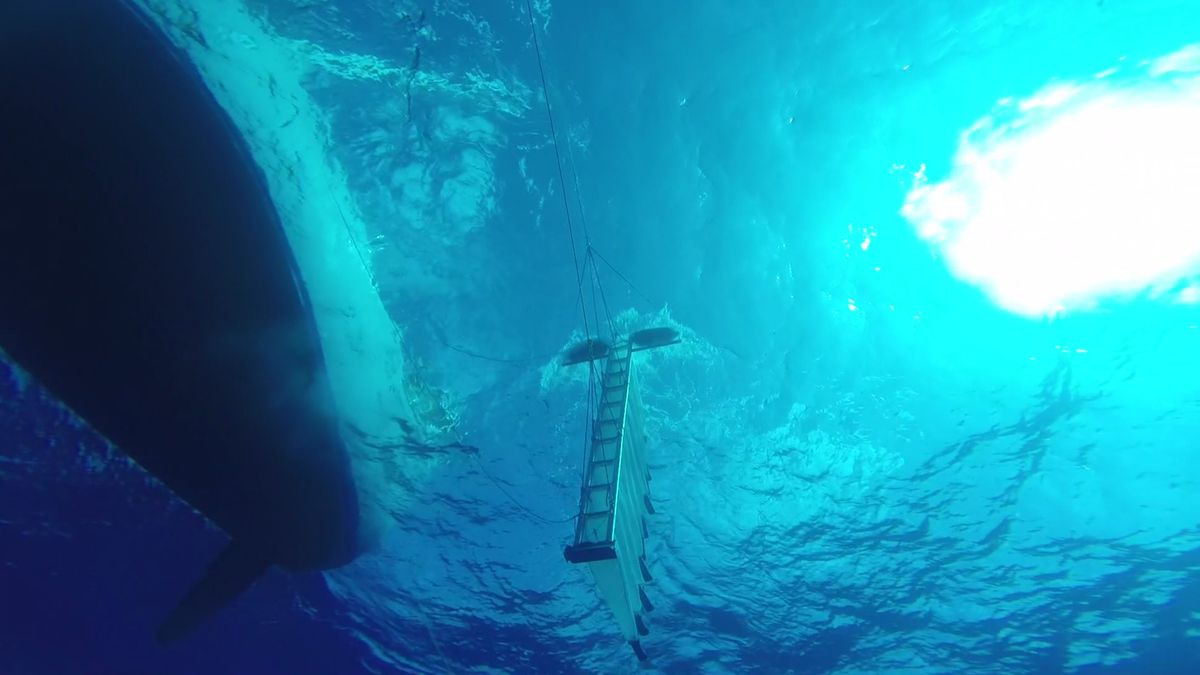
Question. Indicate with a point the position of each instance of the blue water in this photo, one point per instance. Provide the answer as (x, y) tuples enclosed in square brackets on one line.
[(856, 470)]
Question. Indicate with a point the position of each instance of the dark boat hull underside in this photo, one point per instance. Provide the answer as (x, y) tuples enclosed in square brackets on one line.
[(145, 280)]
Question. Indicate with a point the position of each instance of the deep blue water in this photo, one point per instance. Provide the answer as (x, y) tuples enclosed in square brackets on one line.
[(862, 464)]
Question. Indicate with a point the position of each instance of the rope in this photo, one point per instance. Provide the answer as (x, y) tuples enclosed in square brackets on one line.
[(439, 334), (353, 240), (562, 180), (514, 500), (595, 305), (596, 283), (629, 283), (604, 299), (432, 637), (599, 298), (578, 192), (579, 270)]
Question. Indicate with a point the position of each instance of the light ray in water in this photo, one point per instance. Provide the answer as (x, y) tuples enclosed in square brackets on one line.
[(1082, 193)]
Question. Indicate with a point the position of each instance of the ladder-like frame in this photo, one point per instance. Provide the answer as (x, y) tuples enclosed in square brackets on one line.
[(614, 500)]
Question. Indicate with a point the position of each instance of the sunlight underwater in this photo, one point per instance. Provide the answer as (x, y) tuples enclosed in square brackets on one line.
[(1081, 193)]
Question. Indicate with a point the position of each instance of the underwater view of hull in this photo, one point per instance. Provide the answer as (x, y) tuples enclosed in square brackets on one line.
[(146, 281)]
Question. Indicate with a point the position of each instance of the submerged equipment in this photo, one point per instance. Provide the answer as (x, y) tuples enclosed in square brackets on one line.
[(614, 500)]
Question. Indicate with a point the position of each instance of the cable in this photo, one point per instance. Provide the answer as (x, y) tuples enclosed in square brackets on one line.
[(622, 278), (579, 270), (562, 180), (514, 500), (612, 326), (439, 334), (599, 297), (433, 638)]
